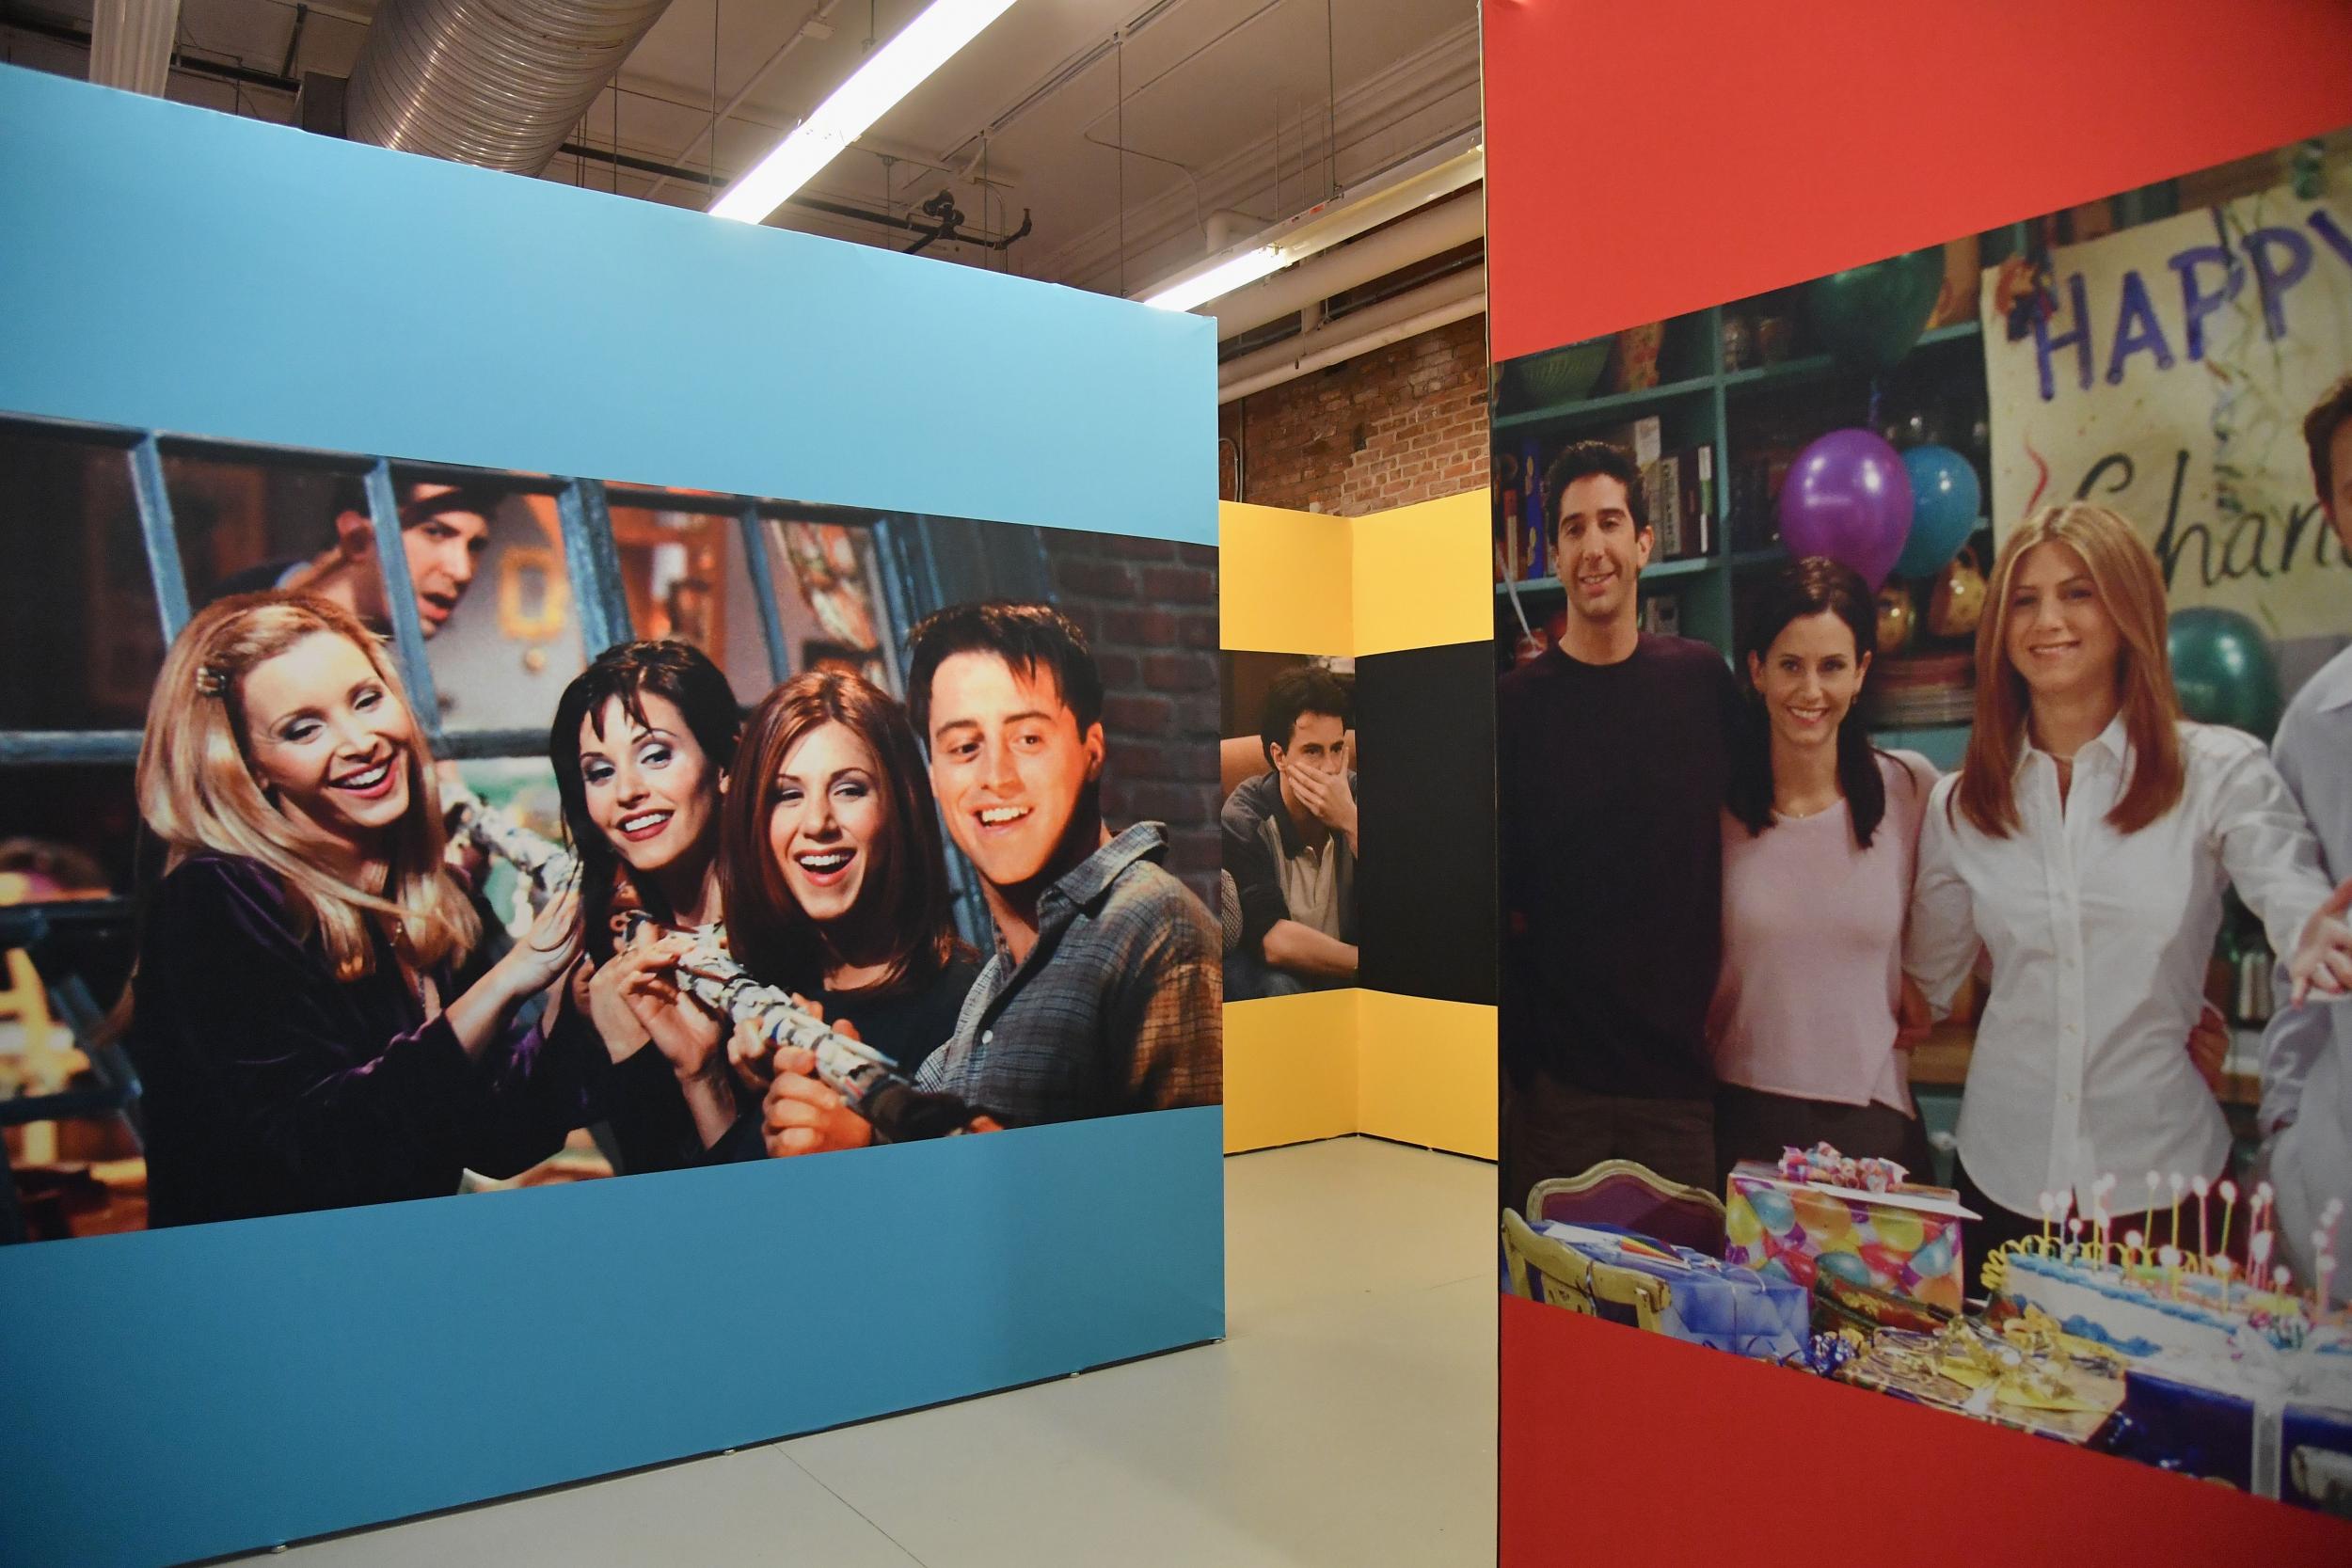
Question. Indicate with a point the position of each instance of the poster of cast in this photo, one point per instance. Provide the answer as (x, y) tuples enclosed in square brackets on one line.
[(1925, 783), (1289, 825), (471, 830)]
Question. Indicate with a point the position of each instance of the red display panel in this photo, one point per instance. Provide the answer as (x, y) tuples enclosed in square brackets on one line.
[(1625, 1447), (1646, 160)]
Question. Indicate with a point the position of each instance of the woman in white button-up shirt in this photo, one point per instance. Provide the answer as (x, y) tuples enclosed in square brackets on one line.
[(2086, 844)]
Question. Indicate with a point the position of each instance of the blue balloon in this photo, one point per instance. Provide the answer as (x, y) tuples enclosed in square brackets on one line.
[(1946, 506)]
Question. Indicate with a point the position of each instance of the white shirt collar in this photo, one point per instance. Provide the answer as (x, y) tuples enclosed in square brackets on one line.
[(2115, 740), (2331, 686)]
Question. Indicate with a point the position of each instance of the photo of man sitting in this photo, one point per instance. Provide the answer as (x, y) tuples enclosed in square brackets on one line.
[(1290, 846)]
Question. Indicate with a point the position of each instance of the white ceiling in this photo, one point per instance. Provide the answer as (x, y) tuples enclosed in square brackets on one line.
[(1227, 104)]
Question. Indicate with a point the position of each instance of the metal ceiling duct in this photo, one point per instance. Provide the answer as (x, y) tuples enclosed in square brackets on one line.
[(496, 82)]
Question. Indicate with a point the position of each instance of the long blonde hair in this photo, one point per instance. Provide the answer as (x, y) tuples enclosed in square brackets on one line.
[(2131, 587), (198, 791)]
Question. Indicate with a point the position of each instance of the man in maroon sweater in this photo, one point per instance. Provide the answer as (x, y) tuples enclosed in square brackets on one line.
[(1612, 751)]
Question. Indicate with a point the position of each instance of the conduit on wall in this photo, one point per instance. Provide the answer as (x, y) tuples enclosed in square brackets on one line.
[(1449, 299)]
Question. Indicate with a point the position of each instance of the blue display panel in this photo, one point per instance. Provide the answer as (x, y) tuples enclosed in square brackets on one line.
[(186, 1393), (176, 269)]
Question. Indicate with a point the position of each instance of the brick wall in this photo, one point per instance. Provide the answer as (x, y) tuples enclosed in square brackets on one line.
[(1149, 606), (1402, 424)]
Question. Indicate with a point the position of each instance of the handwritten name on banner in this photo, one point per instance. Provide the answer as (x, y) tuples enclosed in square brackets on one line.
[(2171, 382)]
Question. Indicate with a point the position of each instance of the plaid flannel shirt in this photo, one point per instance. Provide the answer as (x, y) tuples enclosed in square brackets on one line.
[(1117, 1008)]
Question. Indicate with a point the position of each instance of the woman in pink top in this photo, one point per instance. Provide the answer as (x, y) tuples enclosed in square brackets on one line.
[(1819, 836)]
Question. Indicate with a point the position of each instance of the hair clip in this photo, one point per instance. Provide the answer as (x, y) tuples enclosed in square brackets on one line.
[(211, 680)]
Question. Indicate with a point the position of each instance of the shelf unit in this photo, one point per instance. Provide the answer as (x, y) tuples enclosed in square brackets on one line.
[(1694, 410)]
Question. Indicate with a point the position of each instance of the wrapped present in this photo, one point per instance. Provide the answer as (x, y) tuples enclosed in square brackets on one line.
[(1708, 1302), (2028, 1383), (1904, 1238), (2275, 1423)]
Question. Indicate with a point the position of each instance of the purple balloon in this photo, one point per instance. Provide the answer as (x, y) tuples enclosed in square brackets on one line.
[(1848, 497)]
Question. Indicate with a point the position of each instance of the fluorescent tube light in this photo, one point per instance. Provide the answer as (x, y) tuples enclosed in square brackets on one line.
[(1416, 183), (892, 72), (1222, 279)]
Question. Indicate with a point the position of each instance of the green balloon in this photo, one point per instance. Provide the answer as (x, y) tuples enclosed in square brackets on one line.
[(1869, 317), (2223, 668)]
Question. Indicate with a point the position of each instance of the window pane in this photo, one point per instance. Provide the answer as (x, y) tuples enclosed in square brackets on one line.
[(684, 576), (246, 523), (502, 631), (829, 594), (80, 641)]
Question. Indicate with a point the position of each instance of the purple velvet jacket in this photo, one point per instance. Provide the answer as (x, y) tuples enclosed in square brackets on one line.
[(271, 1087)]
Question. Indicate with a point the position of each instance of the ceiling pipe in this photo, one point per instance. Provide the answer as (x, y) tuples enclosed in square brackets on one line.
[(1454, 297), (498, 86), (1426, 234)]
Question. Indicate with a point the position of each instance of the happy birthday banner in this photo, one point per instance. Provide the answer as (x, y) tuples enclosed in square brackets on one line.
[(2170, 381)]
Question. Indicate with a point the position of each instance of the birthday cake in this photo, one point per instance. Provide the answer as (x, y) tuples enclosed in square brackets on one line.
[(2144, 1300), (2140, 1311)]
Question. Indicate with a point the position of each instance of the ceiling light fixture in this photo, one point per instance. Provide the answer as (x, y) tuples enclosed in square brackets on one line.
[(892, 72), (1222, 278), (1406, 188)]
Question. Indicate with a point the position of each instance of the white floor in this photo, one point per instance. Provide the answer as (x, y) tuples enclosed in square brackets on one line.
[(1347, 1420)]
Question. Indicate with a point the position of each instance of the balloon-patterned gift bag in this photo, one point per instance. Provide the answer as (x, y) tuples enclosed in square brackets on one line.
[(1906, 1241)]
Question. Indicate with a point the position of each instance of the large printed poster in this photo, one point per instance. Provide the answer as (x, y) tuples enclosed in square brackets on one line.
[(2170, 381)]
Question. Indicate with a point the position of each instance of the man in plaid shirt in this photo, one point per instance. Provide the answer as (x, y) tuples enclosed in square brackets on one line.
[(1104, 994)]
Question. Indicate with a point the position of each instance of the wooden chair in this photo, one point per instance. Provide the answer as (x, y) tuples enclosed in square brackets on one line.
[(1551, 1272), (1632, 1197)]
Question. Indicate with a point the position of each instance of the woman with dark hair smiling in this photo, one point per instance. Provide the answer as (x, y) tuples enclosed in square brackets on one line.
[(639, 745), (835, 875), (1810, 1022)]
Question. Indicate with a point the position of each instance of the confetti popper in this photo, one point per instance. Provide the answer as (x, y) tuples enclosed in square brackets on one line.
[(2204, 1237), (2229, 1202), (2176, 1183)]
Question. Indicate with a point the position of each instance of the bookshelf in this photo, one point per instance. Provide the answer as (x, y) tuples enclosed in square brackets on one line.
[(1701, 403)]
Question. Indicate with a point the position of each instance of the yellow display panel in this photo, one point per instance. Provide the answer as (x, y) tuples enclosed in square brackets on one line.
[(1290, 1069), (1285, 582), (1333, 1063), (1422, 577), (1426, 1072)]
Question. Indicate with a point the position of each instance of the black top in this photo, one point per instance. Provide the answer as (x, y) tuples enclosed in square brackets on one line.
[(906, 1024), (271, 1087), (1609, 781)]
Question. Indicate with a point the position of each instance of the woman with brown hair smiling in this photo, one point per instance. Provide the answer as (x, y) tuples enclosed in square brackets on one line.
[(2085, 843), (834, 872)]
